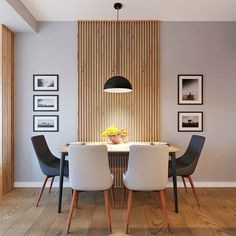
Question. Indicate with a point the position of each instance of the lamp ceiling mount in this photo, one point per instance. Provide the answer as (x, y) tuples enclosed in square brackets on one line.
[(117, 5)]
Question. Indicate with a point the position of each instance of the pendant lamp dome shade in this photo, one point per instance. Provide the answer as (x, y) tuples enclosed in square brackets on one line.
[(117, 84)]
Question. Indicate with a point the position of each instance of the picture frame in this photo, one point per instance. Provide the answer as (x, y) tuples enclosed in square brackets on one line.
[(45, 82), (45, 103), (190, 89), (190, 121), (45, 123)]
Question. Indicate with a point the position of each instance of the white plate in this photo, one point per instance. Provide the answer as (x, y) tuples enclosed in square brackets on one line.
[(156, 143)]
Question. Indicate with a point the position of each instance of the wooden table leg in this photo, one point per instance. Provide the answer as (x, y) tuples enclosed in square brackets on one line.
[(62, 165), (173, 157)]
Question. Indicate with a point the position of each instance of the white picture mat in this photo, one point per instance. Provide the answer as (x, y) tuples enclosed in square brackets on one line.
[(193, 116), (198, 78), (48, 120), (47, 80), (50, 103)]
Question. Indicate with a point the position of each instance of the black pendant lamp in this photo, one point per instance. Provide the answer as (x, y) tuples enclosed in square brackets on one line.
[(117, 84)]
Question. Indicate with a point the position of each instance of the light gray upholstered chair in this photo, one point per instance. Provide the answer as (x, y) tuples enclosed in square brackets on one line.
[(147, 171), (89, 171)]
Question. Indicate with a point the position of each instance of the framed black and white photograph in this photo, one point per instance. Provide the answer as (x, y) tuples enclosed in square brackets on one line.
[(45, 123), (190, 121), (190, 89), (43, 82), (45, 103)]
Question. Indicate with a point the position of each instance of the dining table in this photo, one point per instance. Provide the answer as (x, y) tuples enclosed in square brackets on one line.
[(113, 151)]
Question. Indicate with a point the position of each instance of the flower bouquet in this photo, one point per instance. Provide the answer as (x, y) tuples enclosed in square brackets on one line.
[(115, 135)]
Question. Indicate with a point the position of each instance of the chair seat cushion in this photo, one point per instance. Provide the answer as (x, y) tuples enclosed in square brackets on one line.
[(53, 168), (90, 185), (182, 169), (149, 186)]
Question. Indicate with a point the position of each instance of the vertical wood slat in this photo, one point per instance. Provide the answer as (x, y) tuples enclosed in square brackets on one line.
[(7, 110), (1, 159), (137, 111), (118, 165)]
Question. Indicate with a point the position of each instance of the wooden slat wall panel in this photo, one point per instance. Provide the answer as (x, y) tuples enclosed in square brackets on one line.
[(7, 98), (137, 111), (118, 165), (1, 160)]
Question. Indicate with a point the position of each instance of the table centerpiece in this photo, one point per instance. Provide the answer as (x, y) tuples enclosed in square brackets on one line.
[(115, 135)]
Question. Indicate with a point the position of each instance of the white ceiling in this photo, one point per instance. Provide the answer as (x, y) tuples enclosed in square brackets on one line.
[(11, 19), (164, 10)]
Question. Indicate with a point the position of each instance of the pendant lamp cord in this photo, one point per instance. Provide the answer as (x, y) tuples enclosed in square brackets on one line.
[(117, 44)]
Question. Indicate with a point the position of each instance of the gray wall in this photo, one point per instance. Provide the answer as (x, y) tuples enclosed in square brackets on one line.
[(207, 48), (52, 50)]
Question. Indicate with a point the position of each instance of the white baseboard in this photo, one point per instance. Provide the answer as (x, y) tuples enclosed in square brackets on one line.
[(37, 184), (206, 184), (180, 184)]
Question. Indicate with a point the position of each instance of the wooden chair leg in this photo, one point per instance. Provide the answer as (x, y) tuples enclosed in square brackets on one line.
[(76, 200), (163, 203), (51, 184), (41, 192), (192, 185), (113, 196), (161, 206), (72, 206), (106, 196), (71, 193), (184, 184), (123, 196), (130, 198)]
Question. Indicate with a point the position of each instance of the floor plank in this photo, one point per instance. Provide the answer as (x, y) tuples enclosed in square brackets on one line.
[(216, 216), (15, 213)]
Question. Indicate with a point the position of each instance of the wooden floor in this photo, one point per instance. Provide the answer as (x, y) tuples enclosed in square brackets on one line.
[(217, 215)]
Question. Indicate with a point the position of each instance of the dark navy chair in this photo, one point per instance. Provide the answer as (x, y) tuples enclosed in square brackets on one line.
[(49, 164), (186, 164)]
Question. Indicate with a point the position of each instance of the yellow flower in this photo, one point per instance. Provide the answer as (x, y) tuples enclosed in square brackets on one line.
[(123, 133), (104, 134), (112, 130)]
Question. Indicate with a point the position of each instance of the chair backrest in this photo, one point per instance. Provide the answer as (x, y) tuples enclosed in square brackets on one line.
[(44, 155), (147, 167), (193, 152), (89, 167)]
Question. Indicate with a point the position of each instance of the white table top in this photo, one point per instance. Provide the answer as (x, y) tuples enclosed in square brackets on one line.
[(123, 147)]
